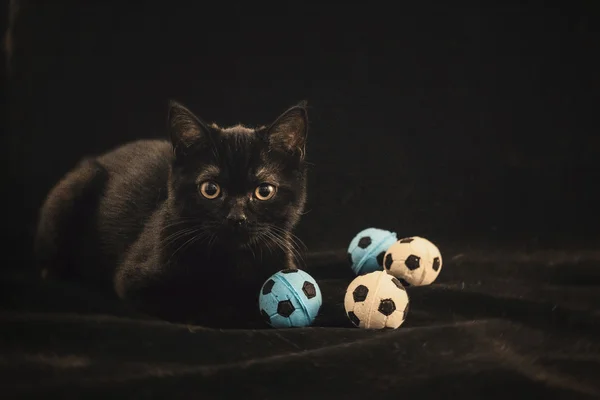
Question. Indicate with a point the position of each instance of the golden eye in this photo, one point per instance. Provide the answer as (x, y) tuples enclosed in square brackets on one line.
[(210, 190), (265, 191)]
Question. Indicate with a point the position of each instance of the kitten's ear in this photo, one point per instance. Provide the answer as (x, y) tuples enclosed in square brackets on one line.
[(185, 129), (288, 132)]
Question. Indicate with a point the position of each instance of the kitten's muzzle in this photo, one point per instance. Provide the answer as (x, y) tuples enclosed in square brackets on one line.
[(238, 228)]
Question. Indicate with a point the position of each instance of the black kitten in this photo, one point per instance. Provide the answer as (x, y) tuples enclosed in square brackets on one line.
[(188, 229)]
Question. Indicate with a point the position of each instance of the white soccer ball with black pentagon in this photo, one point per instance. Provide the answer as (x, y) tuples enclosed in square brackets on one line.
[(376, 300), (414, 260)]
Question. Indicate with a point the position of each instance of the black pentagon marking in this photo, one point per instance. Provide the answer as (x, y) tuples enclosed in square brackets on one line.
[(360, 293), (405, 311), (406, 240), (380, 258), (265, 316), (402, 281), (285, 308), (364, 242), (413, 262), (388, 261), (268, 286), (350, 260), (387, 307), (309, 290), (398, 283), (289, 270), (353, 318), (436, 264)]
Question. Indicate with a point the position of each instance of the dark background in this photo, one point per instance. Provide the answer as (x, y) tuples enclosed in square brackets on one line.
[(463, 125)]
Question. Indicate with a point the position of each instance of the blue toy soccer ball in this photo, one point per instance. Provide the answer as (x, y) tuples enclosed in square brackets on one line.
[(290, 298), (367, 249)]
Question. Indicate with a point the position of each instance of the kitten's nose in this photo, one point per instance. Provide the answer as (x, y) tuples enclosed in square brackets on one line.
[(237, 218)]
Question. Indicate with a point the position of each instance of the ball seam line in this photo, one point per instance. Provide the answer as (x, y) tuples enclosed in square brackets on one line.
[(274, 312), (429, 262), (295, 293), (370, 308)]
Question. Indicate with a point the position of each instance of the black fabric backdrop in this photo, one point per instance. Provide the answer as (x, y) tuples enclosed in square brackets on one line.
[(473, 127)]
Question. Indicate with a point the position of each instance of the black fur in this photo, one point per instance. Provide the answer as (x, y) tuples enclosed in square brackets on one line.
[(135, 219)]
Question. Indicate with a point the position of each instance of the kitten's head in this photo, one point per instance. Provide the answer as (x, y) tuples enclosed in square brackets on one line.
[(242, 185)]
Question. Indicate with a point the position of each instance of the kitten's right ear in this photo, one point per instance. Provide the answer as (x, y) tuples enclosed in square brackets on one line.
[(185, 129)]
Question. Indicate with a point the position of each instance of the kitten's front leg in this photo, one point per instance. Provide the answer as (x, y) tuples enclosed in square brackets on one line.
[(140, 276), (182, 290), (151, 286), (141, 269), (210, 299), (143, 278)]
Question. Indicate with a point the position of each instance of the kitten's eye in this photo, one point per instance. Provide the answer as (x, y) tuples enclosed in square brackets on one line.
[(265, 191), (210, 190)]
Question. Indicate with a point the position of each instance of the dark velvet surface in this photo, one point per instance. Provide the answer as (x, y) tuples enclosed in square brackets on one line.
[(495, 324)]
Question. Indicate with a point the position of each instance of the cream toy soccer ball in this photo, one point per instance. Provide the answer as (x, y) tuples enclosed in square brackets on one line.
[(413, 261), (376, 300)]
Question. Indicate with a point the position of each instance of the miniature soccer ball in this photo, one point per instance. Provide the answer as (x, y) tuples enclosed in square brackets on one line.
[(414, 261), (290, 298), (367, 250), (376, 300)]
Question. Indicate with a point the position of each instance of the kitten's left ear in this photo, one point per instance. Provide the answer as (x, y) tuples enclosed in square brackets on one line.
[(289, 131), (185, 128)]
